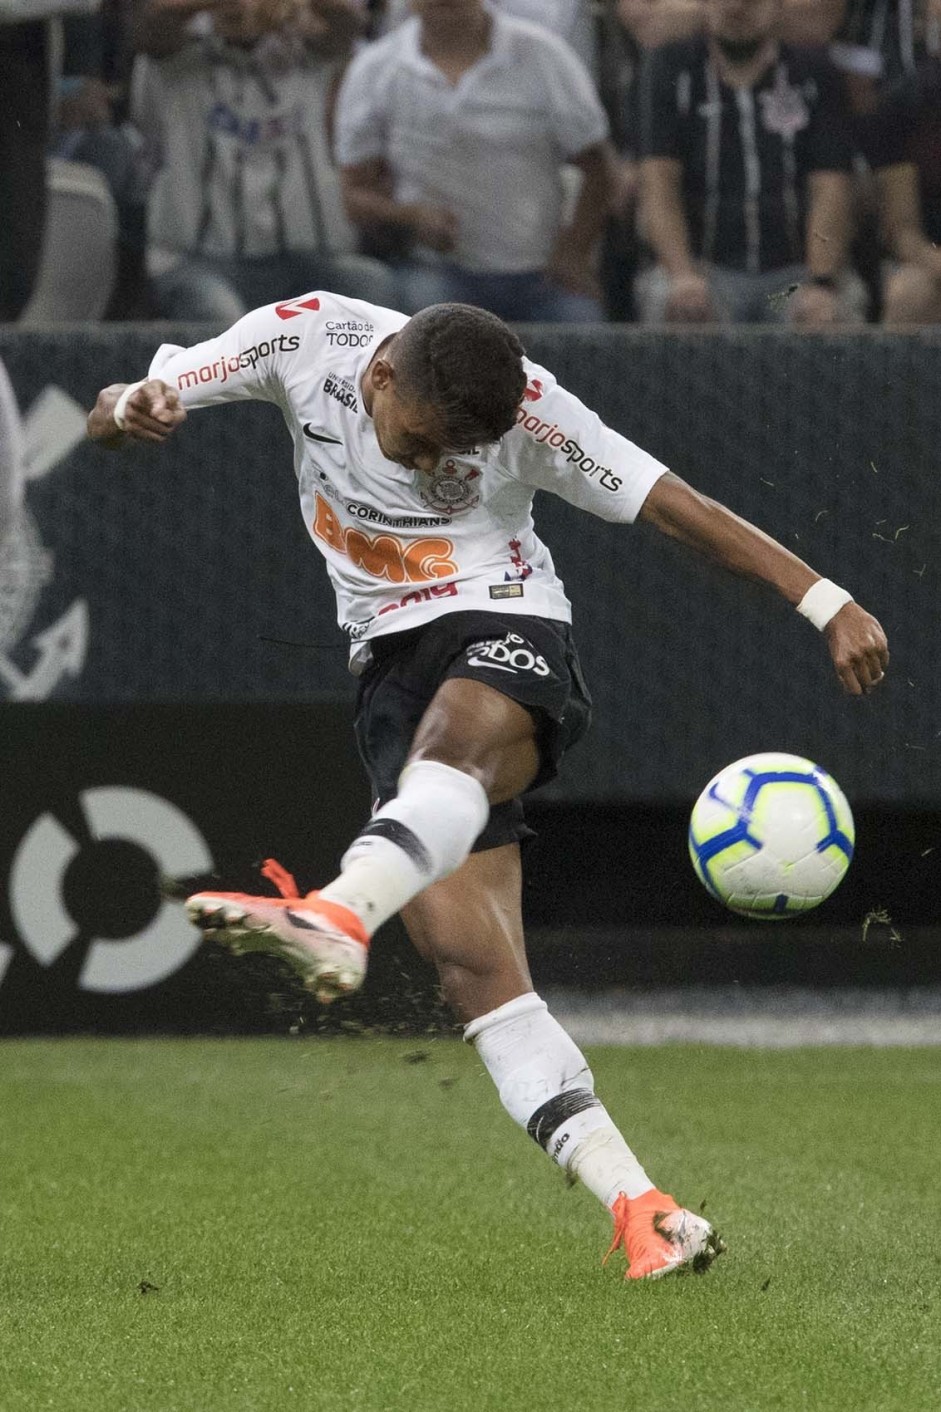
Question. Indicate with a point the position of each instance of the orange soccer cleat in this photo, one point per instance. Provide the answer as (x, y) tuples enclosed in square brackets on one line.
[(659, 1237), (323, 942)]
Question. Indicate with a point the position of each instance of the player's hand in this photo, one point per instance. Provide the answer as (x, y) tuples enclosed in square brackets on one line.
[(689, 300), (859, 649), (153, 411)]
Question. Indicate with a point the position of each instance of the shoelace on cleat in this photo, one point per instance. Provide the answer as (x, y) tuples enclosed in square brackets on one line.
[(282, 879), (341, 916)]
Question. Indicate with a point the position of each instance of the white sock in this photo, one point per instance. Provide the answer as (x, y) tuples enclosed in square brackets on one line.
[(420, 836), (546, 1086)]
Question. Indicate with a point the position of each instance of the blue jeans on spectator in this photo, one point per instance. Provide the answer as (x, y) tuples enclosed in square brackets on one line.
[(526, 297), (220, 289)]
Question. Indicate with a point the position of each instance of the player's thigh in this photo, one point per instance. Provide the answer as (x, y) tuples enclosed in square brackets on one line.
[(478, 729)]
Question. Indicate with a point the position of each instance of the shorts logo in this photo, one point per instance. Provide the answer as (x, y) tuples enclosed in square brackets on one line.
[(509, 654)]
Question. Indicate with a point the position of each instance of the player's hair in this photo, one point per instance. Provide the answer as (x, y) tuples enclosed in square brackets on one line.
[(468, 364)]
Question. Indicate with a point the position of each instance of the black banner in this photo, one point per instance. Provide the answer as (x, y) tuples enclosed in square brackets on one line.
[(102, 805), (185, 574)]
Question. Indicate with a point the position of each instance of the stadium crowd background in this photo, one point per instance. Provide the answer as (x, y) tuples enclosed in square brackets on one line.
[(545, 166)]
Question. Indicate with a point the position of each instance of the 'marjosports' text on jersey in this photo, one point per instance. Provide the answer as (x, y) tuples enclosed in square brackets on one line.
[(403, 546)]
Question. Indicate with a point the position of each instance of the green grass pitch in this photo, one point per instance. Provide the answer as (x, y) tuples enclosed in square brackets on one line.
[(335, 1224)]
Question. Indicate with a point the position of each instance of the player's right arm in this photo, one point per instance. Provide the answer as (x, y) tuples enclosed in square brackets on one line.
[(245, 362), (151, 413)]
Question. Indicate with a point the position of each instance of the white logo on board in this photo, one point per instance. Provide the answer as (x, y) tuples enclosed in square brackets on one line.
[(53, 427), (111, 966)]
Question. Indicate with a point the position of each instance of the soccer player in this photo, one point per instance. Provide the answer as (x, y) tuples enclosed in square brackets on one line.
[(418, 446)]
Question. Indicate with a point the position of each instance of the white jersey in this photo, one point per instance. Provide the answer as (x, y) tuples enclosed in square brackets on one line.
[(239, 138), (403, 546)]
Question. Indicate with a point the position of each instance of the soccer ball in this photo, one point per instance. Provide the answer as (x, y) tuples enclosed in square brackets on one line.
[(771, 835)]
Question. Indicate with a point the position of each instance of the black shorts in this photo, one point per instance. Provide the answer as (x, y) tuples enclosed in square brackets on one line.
[(531, 660)]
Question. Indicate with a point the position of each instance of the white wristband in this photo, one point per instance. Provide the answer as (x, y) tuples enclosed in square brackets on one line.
[(120, 407), (822, 601)]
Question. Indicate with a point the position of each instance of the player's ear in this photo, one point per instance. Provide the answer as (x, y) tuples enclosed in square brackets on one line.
[(381, 374)]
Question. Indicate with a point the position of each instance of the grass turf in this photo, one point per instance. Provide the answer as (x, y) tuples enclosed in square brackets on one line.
[(353, 1224)]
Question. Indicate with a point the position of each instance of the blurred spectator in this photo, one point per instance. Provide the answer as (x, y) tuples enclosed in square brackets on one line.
[(26, 72), (746, 196), (85, 130), (245, 206), (452, 134), (903, 144), (653, 22), (571, 20), (878, 42)]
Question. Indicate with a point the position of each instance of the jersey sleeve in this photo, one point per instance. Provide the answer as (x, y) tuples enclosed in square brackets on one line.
[(244, 363), (560, 445)]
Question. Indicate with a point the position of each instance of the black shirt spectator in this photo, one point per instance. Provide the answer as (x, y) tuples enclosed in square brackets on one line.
[(902, 140), (906, 130), (746, 152), (878, 38)]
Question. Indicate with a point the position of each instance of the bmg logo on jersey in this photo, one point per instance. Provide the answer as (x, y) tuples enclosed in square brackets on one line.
[(508, 654)]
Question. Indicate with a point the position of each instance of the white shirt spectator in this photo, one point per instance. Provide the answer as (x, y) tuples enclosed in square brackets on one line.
[(239, 139), (491, 148), (571, 20)]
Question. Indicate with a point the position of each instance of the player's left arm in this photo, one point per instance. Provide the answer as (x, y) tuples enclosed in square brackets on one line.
[(855, 639)]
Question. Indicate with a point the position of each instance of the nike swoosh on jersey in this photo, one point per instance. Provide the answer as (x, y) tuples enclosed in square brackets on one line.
[(321, 436)]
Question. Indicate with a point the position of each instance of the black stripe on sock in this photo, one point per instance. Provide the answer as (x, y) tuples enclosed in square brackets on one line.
[(401, 835), (558, 1110)]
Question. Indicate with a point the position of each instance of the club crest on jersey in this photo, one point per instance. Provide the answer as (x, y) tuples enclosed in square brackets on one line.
[(452, 489), (784, 110)]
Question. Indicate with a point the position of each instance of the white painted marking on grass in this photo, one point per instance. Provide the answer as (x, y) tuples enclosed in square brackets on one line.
[(775, 1017)]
